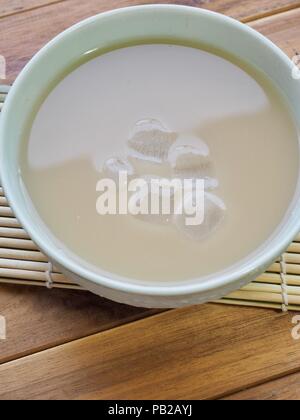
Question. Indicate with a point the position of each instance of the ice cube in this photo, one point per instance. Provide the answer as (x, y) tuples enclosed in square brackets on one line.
[(114, 166), (210, 183), (153, 201), (192, 162), (190, 158), (214, 213), (151, 141), (187, 139)]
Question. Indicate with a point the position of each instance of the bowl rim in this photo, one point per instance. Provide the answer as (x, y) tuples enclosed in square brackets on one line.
[(206, 283)]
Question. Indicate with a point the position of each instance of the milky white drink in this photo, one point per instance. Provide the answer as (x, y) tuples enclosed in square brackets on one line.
[(165, 111)]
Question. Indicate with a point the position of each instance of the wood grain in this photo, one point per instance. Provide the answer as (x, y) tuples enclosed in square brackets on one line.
[(286, 388), (46, 22), (246, 10), (38, 318), (283, 30), (198, 353), (11, 7)]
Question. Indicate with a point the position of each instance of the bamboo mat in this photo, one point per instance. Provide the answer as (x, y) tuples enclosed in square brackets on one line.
[(21, 263)]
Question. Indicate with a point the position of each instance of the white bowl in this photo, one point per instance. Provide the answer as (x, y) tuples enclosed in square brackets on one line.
[(135, 24)]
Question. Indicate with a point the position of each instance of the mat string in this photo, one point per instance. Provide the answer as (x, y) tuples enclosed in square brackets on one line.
[(48, 273), (284, 286)]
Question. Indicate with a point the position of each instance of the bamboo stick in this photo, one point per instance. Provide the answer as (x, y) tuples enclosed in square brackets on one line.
[(290, 268), (294, 247), (226, 301), (31, 275), (8, 232), (23, 265), (263, 297), (26, 265), (6, 212), (18, 244), (3, 201), (292, 258), (272, 278), (271, 288), (9, 222), (20, 254), (70, 286)]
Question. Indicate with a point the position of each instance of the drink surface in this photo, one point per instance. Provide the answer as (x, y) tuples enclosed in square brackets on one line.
[(89, 118)]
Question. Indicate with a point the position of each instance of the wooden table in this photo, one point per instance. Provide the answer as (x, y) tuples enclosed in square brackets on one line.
[(73, 345)]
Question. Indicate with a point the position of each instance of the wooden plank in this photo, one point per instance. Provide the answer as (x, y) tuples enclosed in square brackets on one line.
[(11, 7), (47, 22), (38, 318), (283, 30), (286, 388), (202, 352), (246, 10)]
